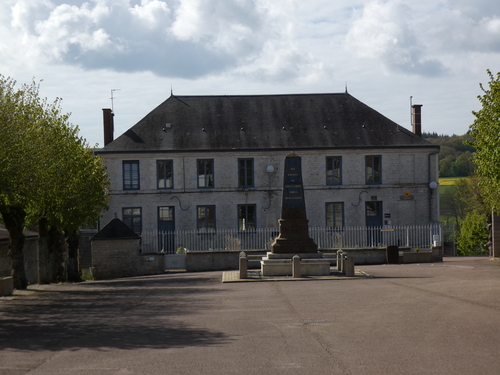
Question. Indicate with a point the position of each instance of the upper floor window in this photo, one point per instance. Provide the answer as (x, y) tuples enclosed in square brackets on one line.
[(206, 218), (335, 215), (245, 172), (132, 217), (373, 169), (130, 175), (246, 216), (334, 170), (165, 174), (205, 173)]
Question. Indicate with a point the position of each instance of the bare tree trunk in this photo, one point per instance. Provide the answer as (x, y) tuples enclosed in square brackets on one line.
[(72, 243), (13, 217), (44, 264)]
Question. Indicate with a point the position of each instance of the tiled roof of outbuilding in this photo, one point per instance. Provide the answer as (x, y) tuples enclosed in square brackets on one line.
[(115, 229), (299, 121)]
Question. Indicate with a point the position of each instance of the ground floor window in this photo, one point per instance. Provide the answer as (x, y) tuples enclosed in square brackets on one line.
[(335, 214), (132, 217), (246, 217), (206, 218)]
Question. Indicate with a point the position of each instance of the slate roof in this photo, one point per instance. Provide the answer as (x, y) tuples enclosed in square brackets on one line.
[(115, 229), (262, 122)]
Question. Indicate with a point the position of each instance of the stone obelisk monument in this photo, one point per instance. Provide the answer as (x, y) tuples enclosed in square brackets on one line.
[(293, 241), (294, 230)]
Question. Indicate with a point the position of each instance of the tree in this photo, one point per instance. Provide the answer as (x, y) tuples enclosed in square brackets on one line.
[(50, 177), (486, 131), (19, 110), (473, 235)]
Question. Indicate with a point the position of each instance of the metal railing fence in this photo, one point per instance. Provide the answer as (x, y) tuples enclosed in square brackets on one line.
[(421, 237)]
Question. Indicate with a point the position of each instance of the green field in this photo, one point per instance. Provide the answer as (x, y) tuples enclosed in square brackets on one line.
[(445, 183)]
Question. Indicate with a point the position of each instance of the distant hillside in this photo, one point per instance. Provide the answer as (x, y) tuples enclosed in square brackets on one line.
[(455, 155)]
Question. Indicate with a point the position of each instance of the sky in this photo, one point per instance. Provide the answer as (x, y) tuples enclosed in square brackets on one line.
[(387, 53)]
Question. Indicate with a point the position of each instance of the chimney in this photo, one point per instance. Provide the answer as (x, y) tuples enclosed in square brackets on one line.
[(416, 119), (109, 126)]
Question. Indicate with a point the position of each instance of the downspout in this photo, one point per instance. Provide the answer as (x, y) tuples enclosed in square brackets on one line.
[(430, 183)]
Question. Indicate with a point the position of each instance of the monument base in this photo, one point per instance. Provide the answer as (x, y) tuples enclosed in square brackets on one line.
[(311, 264), (294, 246)]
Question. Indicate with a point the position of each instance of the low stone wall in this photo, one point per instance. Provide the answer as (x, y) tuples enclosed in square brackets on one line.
[(197, 261), (151, 264), (30, 253), (435, 255), (361, 256), (218, 260)]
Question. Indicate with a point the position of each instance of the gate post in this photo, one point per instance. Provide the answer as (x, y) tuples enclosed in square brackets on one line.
[(243, 263)]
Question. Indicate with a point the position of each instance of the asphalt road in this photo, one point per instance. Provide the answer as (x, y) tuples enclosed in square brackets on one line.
[(440, 318)]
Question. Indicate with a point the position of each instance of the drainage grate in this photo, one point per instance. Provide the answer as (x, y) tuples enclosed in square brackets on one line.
[(306, 321)]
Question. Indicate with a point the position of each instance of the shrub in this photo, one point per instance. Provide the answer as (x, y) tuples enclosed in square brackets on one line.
[(473, 235)]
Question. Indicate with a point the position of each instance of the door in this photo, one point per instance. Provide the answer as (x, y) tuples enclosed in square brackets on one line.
[(166, 229), (374, 221)]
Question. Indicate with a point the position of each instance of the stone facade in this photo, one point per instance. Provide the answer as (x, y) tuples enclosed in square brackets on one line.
[(405, 194)]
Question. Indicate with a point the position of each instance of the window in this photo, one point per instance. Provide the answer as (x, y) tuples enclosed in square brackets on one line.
[(334, 170), (165, 173), (246, 217), (206, 218), (335, 215), (132, 217), (206, 173), (373, 168), (245, 172), (131, 175)]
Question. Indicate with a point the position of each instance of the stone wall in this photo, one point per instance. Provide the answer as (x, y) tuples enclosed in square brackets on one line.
[(84, 247), (114, 258), (151, 264), (198, 261), (30, 253)]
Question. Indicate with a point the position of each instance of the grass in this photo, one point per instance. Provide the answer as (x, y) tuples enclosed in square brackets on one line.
[(446, 183), (87, 275)]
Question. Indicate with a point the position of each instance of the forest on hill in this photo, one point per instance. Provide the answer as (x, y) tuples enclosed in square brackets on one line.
[(455, 155)]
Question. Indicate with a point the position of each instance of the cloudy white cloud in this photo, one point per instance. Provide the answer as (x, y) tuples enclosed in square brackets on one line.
[(385, 50), (407, 39)]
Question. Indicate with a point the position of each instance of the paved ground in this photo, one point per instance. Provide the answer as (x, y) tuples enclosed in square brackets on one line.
[(440, 318)]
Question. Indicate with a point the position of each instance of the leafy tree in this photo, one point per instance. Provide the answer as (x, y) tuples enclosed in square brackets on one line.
[(445, 166), (463, 166), (486, 131), (454, 154), (473, 235), (463, 197), (50, 176), (19, 110)]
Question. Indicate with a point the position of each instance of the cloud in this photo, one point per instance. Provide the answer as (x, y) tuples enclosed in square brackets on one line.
[(186, 38), (387, 31), (424, 38)]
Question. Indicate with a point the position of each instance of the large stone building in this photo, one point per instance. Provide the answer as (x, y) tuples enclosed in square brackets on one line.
[(216, 162)]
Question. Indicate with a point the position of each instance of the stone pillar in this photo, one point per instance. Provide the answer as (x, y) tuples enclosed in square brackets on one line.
[(6, 286), (340, 254), (296, 267), (349, 266), (243, 265), (495, 235)]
